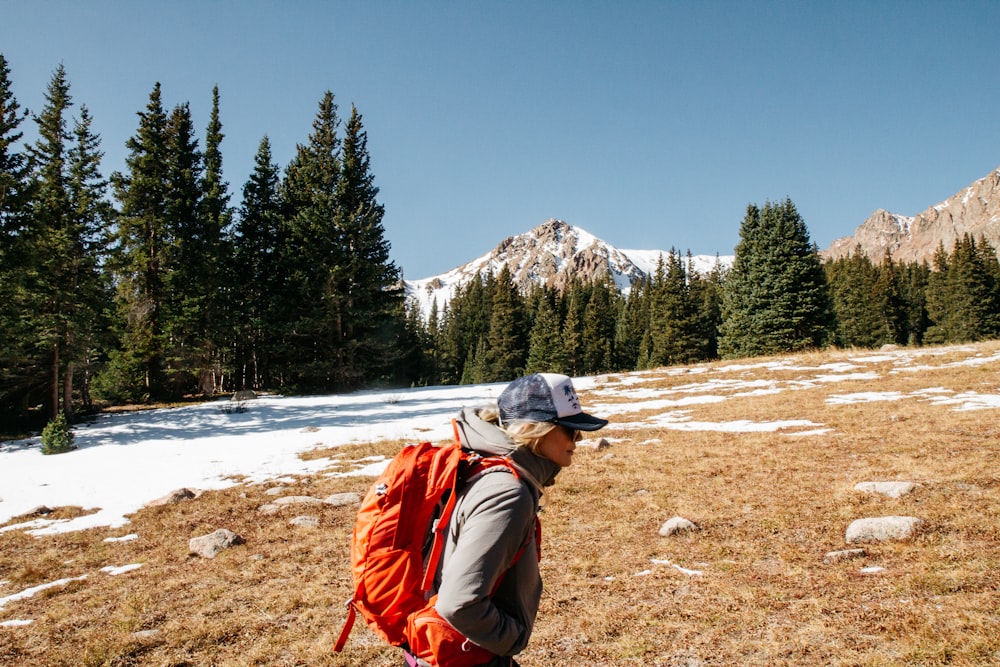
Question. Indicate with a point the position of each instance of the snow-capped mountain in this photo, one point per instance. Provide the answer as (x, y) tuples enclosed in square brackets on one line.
[(551, 253)]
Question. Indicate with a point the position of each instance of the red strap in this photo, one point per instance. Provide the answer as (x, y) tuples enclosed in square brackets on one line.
[(437, 545), (348, 624)]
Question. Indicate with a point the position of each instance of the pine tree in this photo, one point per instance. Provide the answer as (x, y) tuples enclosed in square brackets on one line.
[(431, 347), (370, 325), (48, 235), (257, 275), (598, 332), (705, 293), (312, 255), (93, 216), (505, 351), (775, 297), (17, 372), (465, 325), (13, 167), (913, 279), (858, 312), (215, 217), (183, 269), (674, 317), (962, 293), (632, 324), (892, 306), (63, 295), (136, 371), (545, 347), (572, 332)]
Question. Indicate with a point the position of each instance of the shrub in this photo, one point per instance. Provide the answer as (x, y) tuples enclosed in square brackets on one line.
[(57, 436)]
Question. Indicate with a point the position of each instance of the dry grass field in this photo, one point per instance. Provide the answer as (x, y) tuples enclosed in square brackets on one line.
[(750, 587)]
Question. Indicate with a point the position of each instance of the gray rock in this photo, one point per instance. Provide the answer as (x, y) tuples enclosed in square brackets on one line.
[(677, 525), (846, 554), (890, 489), (341, 499), (176, 496), (297, 500), (881, 529), (41, 510), (305, 522), (209, 546)]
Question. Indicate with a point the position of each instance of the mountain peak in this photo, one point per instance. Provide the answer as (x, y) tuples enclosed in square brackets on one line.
[(552, 253), (974, 210)]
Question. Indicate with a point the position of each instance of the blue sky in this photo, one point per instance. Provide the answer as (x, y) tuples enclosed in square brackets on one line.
[(650, 124)]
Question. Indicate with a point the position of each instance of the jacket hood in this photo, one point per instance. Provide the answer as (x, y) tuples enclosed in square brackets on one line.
[(490, 440)]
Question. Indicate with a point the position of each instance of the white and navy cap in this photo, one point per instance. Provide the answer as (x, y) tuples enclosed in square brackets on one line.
[(545, 397)]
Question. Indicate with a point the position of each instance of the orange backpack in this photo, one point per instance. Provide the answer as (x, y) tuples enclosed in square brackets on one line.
[(397, 543)]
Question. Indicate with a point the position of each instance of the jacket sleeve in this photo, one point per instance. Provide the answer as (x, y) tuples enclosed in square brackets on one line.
[(494, 519)]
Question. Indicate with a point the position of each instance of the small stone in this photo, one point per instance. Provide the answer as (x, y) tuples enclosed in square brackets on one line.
[(41, 510), (305, 522), (297, 500), (890, 489), (677, 525), (846, 554), (176, 496)]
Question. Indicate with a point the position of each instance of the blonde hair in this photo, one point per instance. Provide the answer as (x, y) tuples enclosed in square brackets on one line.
[(526, 434)]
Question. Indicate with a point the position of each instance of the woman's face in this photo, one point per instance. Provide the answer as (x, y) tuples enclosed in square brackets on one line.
[(558, 445)]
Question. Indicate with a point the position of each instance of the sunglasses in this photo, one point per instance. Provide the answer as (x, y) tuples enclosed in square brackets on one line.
[(573, 434)]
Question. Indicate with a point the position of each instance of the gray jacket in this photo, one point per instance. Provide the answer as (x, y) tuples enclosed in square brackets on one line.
[(494, 517)]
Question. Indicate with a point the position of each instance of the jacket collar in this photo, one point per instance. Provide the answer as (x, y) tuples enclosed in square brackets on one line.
[(490, 440)]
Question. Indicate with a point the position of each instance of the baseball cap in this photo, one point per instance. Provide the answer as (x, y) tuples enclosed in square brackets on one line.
[(546, 397)]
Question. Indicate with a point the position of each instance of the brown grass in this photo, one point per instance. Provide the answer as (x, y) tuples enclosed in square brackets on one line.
[(769, 506)]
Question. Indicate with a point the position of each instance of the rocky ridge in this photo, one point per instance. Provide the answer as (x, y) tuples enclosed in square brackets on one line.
[(974, 210)]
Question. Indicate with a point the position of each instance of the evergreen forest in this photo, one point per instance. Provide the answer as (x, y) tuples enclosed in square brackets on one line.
[(159, 283)]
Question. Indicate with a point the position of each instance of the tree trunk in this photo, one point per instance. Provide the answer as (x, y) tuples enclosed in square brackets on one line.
[(54, 396), (68, 392)]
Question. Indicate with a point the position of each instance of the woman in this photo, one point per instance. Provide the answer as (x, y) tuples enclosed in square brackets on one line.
[(488, 585)]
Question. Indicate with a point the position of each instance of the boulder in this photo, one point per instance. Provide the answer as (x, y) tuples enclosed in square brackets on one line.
[(209, 546), (881, 529)]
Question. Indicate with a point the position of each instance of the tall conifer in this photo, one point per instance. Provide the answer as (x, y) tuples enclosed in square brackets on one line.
[(257, 276), (775, 298), (545, 346), (217, 282), (141, 258), (505, 349), (312, 255), (366, 283)]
